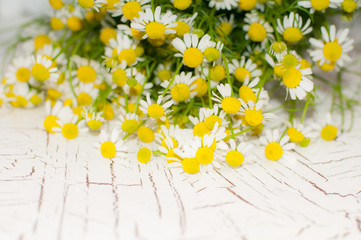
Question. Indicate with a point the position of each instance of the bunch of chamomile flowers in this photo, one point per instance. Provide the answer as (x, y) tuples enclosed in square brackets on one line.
[(195, 83)]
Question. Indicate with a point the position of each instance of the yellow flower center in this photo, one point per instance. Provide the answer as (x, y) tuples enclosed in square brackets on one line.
[(155, 30), (86, 74), (129, 55), (84, 99), (329, 133), (212, 120), (279, 70), (295, 135), (40, 72), (201, 87), (144, 155), (192, 57), (35, 99), (253, 117), (234, 158), (292, 77), (190, 165), (130, 126), (164, 75), (224, 28), (205, 155), (108, 112), (23, 74), (56, 24), (56, 4), (94, 124), (320, 5), (304, 64), (119, 77), (218, 73), (107, 149), (180, 92), (289, 61), (246, 94), (145, 134), (70, 131), (231, 105), (86, 3), (278, 47), (247, 5), (273, 151), (50, 123), (137, 34), (135, 91), (19, 102), (349, 6), (106, 34), (53, 93), (110, 4), (292, 34), (212, 54), (40, 41), (182, 4), (75, 24), (257, 32), (200, 129), (332, 51), (131, 10), (241, 74), (327, 66), (155, 111), (182, 28)]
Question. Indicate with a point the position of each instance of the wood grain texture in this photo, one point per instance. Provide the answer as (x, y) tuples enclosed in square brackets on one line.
[(52, 188)]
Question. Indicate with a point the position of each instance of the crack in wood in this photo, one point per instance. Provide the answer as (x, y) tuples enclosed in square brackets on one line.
[(214, 205), (155, 194), (115, 200)]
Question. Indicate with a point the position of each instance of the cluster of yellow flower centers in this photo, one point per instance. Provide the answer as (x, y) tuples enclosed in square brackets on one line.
[(332, 51), (182, 4), (180, 92), (320, 5), (86, 74), (292, 34), (257, 32), (50, 122), (128, 55), (190, 165), (273, 151), (23, 74), (329, 133), (292, 77), (70, 130), (131, 10), (253, 117), (40, 72), (86, 3), (231, 105), (349, 6), (107, 149), (40, 41), (295, 135), (247, 5), (234, 158), (144, 155), (155, 30), (192, 57)]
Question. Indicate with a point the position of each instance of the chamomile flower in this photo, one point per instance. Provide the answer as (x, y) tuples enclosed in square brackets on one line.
[(155, 110), (129, 123), (258, 30), (275, 147), (319, 5), (247, 5), (69, 125), (328, 130), (349, 6), (155, 25), (223, 4), (213, 51), (86, 93), (42, 69), (299, 134), (191, 49), (237, 153), (56, 4), (184, 25), (245, 68), (297, 82), (130, 9), (58, 19), (19, 70), (75, 21), (292, 28), (253, 115), (226, 25), (278, 49), (135, 82), (23, 97), (181, 89), (91, 4), (93, 119), (123, 49), (111, 145), (249, 92), (181, 4), (163, 73), (53, 113), (332, 50), (229, 104), (88, 70), (54, 54)]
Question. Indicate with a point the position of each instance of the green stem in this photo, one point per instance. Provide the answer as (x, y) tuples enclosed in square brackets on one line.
[(239, 133), (179, 65), (149, 74), (227, 72)]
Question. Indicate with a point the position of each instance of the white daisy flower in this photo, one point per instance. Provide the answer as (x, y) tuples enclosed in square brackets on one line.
[(53, 113), (253, 115), (156, 25), (22, 96), (349, 6), (275, 147), (258, 30), (185, 24), (129, 123), (245, 68), (293, 29), (319, 5), (88, 70), (43, 69), (191, 49), (332, 50), (130, 9), (112, 145), (155, 110), (86, 93), (69, 125), (135, 82), (93, 119), (300, 134), (19, 70), (91, 4), (229, 104), (298, 82), (223, 4), (163, 73), (226, 25), (249, 92), (237, 153), (123, 49)]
